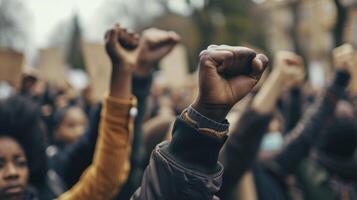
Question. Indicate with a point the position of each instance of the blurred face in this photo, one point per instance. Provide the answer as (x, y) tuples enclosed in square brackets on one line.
[(72, 126), (14, 171), (272, 141)]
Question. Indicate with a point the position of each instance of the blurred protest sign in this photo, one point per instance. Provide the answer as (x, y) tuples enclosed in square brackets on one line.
[(279, 23), (97, 64), (350, 29), (317, 18), (11, 64), (52, 66), (174, 67)]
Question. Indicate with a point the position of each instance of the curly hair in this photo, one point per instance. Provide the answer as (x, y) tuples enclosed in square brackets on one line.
[(20, 119)]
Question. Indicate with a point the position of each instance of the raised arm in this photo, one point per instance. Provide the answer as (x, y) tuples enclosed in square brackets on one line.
[(154, 45), (243, 144), (71, 163), (187, 167), (110, 166), (303, 136)]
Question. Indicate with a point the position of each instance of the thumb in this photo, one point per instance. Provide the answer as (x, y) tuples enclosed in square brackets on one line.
[(260, 62)]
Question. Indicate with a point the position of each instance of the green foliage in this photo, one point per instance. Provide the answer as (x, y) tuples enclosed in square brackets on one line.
[(74, 56), (230, 22)]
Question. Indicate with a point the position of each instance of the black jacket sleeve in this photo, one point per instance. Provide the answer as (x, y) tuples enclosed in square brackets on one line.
[(185, 168), (241, 149), (141, 90), (303, 136), (292, 109)]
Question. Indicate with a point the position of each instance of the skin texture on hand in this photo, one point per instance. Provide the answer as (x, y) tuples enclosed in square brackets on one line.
[(121, 47), (226, 75), (288, 71), (290, 67), (154, 45), (131, 54), (343, 56)]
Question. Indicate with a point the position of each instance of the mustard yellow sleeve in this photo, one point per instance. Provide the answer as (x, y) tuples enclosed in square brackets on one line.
[(110, 168)]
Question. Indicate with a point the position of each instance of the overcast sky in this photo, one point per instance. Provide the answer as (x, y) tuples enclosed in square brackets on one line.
[(46, 14)]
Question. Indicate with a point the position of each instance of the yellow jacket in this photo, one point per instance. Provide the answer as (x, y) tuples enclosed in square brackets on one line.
[(110, 167)]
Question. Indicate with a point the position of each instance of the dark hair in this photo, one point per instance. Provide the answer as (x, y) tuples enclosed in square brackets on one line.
[(20, 119)]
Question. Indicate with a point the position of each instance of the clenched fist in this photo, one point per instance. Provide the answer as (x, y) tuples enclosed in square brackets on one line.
[(290, 67), (226, 75), (154, 45), (121, 47)]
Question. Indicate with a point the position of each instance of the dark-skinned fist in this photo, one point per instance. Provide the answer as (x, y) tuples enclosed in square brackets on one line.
[(226, 75), (122, 47)]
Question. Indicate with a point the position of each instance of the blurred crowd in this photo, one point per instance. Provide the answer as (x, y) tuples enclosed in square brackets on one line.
[(239, 128)]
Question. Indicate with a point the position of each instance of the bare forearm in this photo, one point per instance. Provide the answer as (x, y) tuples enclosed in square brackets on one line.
[(120, 83), (266, 99)]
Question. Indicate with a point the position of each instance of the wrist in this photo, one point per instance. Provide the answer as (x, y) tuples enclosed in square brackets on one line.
[(145, 68), (214, 112), (121, 68), (202, 122), (121, 83)]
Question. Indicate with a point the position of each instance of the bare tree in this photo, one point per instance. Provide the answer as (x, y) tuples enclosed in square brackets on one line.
[(14, 24)]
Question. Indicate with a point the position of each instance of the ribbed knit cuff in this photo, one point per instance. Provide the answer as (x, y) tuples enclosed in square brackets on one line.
[(203, 122)]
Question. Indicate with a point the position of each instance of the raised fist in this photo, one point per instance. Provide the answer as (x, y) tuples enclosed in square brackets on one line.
[(290, 68), (226, 75), (343, 57), (121, 46), (154, 45)]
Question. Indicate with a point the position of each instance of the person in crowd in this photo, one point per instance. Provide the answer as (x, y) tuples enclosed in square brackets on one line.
[(245, 141), (22, 150), (69, 125), (153, 46), (22, 133), (271, 176), (111, 162), (107, 150), (188, 167)]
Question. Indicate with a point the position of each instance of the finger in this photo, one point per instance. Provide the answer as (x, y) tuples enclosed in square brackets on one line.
[(260, 62), (157, 38), (212, 46), (243, 56), (114, 34), (129, 40), (217, 57), (134, 38), (174, 36), (110, 38), (106, 36)]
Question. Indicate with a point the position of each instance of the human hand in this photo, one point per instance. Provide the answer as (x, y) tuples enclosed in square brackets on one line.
[(154, 45), (121, 47), (290, 68), (226, 75)]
